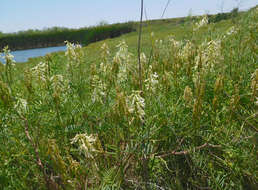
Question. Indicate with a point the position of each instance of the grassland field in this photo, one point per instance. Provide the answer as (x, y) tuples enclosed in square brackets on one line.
[(87, 119)]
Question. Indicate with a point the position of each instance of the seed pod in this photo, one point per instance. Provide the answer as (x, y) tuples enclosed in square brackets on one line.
[(218, 86), (5, 94), (254, 84), (28, 81), (188, 95)]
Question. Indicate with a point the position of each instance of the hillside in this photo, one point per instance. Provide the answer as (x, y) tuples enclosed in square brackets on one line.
[(56, 36), (88, 119)]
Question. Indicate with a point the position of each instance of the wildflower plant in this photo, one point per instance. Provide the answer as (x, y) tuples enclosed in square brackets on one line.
[(151, 83), (88, 144), (9, 65), (40, 72), (203, 22), (136, 105), (76, 122)]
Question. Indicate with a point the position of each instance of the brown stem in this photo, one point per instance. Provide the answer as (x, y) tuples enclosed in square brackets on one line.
[(184, 152), (139, 47), (49, 182)]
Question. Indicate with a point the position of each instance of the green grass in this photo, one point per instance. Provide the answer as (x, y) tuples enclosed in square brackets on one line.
[(85, 117)]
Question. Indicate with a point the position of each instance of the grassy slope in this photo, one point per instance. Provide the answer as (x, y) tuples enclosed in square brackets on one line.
[(169, 119), (161, 28)]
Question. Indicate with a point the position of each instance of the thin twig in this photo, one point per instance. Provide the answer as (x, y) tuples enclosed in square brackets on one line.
[(164, 11), (26, 128), (139, 47), (50, 183), (184, 152), (145, 13)]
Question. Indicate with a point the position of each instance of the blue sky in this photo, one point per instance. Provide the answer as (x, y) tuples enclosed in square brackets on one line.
[(16, 15)]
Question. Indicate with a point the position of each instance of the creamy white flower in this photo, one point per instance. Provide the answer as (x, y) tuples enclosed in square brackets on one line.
[(59, 84), (40, 71), (209, 55), (232, 30), (99, 89), (143, 58), (174, 43), (74, 53), (203, 22), (21, 106), (103, 68), (186, 52), (136, 104), (152, 35), (7, 56), (152, 82), (122, 74), (105, 49), (123, 59), (87, 144), (123, 50)]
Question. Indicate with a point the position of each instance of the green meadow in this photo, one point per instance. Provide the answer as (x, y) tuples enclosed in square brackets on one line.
[(89, 118)]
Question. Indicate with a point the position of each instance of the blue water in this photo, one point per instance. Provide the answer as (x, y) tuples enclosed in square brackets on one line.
[(24, 55)]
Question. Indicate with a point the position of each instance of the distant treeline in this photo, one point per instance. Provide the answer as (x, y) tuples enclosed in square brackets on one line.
[(56, 36), (223, 16)]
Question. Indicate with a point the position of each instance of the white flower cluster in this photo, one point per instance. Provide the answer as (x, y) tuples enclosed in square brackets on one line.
[(99, 91), (7, 56), (203, 22), (209, 55), (136, 104), (87, 144), (59, 84), (231, 31), (122, 74), (143, 58), (174, 43), (152, 82), (122, 58), (123, 51), (256, 102), (159, 43), (187, 52), (103, 68), (21, 106), (105, 50), (40, 72), (73, 53)]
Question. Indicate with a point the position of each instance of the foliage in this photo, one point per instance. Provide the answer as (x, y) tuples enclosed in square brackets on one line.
[(68, 122), (224, 16)]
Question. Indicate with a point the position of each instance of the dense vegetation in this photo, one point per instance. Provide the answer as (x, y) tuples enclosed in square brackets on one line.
[(83, 121), (56, 36)]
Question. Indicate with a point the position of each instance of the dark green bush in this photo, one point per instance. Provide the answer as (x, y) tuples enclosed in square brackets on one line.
[(56, 36)]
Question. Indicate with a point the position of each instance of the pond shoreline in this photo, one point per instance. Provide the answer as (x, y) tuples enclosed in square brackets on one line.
[(21, 56)]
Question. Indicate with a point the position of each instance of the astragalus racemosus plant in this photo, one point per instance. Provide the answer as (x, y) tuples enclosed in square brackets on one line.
[(74, 122), (8, 67)]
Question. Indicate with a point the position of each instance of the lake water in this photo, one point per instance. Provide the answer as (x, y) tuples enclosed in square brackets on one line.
[(24, 55)]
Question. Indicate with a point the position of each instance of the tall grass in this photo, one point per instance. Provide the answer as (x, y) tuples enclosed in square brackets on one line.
[(78, 125)]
